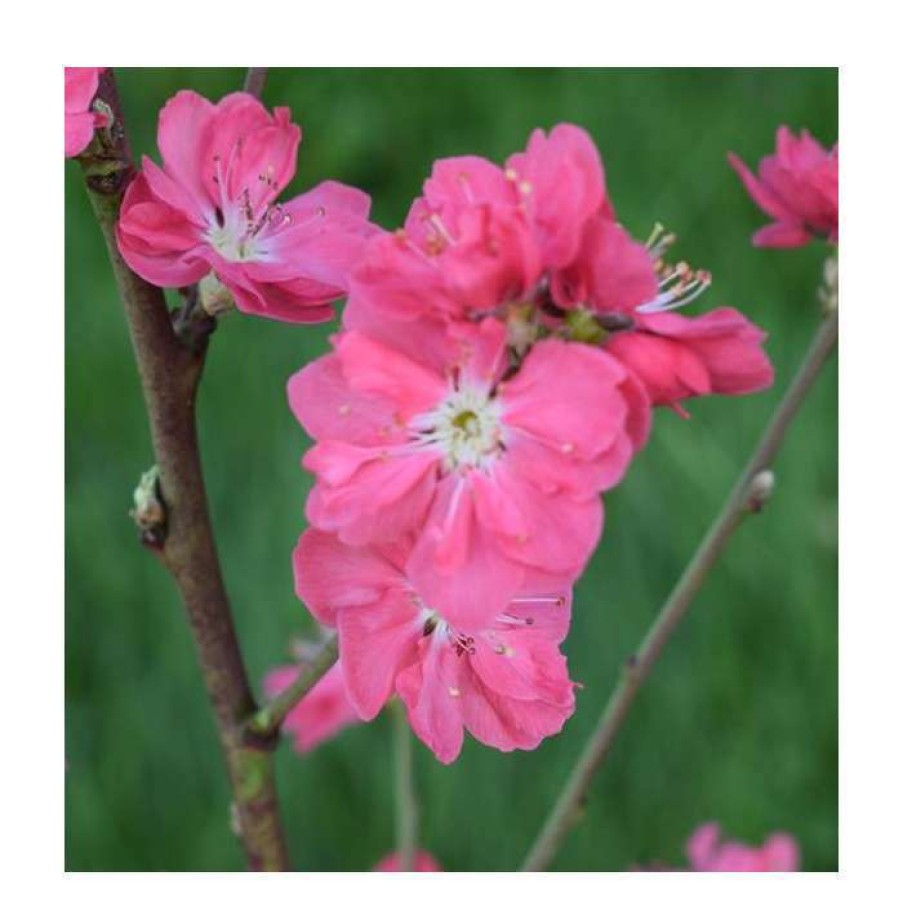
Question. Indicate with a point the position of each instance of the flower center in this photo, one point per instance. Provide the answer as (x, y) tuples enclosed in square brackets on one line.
[(233, 244), (467, 427)]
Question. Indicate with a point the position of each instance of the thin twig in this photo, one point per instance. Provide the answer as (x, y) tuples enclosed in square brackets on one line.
[(254, 81), (267, 720), (745, 496), (170, 371), (406, 814)]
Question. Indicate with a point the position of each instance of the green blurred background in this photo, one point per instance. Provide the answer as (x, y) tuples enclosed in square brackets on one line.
[(739, 721)]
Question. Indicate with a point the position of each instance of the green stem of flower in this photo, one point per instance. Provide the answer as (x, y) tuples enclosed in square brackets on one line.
[(406, 810), (267, 720)]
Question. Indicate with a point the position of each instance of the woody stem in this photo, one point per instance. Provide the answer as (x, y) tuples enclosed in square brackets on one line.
[(747, 494), (170, 362)]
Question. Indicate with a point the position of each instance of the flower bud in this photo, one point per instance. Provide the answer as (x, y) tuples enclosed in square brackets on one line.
[(584, 326), (827, 292), (149, 513), (760, 488), (215, 298)]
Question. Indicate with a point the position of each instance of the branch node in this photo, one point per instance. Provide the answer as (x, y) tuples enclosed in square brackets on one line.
[(191, 323)]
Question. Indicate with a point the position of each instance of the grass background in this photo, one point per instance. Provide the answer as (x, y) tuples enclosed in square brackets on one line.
[(739, 722)]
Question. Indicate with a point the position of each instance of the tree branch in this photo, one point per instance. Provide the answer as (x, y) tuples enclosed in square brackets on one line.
[(170, 370), (748, 493), (254, 81), (267, 720)]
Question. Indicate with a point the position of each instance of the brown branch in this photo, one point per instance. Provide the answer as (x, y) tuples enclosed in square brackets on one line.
[(170, 369), (748, 494)]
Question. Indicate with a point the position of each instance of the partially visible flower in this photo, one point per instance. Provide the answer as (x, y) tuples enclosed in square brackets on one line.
[(506, 682), (631, 297), (81, 118), (423, 862), (213, 208), (497, 469), (707, 853), (561, 183), (323, 711), (797, 187)]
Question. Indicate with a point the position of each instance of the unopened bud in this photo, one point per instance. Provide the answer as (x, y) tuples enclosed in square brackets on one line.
[(827, 292), (105, 113), (149, 513), (522, 329), (215, 298), (584, 326), (760, 488)]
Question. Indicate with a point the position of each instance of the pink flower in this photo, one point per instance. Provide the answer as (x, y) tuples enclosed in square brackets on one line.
[(423, 862), (212, 209), (81, 119), (677, 357), (497, 471), (632, 296), (797, 187), (323, 711), (706, 853), (506, 682)]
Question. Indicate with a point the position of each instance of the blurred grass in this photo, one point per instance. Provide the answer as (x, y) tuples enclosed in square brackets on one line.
[(739, 722)]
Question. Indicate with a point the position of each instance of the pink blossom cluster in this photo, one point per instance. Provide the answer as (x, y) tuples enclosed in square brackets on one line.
[(495, 372)]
